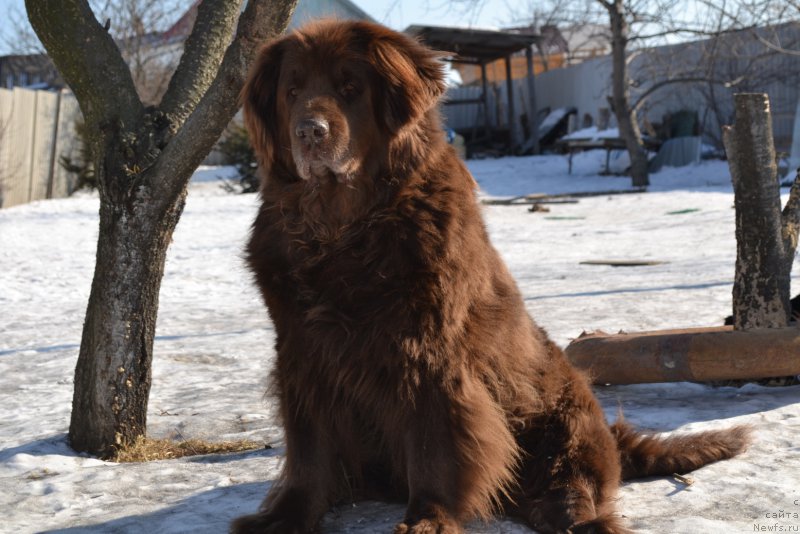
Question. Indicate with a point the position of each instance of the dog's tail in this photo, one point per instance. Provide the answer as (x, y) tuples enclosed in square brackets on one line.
[(643, 454)]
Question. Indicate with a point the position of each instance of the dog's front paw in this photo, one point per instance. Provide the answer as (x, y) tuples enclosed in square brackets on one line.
[(429, 526)]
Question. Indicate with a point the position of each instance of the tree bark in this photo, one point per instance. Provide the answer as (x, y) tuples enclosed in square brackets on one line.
[(620, 93), (766, 238), (144, 159), (112, 377)]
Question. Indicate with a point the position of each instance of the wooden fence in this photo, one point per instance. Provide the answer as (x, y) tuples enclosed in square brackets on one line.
[(36, 129)]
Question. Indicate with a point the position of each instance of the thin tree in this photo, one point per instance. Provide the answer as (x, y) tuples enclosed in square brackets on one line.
[(629, 26), (144, 157), (620, 92), (634, 25), (639, 71)]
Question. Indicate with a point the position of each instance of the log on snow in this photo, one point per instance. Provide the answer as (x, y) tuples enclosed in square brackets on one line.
[(697, 354)]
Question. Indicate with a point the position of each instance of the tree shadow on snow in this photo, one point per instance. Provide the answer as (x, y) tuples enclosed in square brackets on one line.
[(209, 511), (669, 406), (172, 337), (212, 511), (599, 293), (56, 444)]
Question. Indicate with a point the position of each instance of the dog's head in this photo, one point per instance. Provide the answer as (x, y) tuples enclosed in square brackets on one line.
[(325, 101)]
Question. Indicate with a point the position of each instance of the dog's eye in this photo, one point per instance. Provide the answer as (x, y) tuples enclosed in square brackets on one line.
[(349, 89), (292, 92)]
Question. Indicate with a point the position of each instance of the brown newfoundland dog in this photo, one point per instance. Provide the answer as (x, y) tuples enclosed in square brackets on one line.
[(407, 366)]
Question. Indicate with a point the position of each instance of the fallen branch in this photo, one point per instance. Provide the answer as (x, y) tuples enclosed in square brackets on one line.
[(624, 263), (543, 198)]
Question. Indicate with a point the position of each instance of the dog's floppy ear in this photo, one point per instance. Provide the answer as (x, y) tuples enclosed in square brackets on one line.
[(258, 97), (412, 76)]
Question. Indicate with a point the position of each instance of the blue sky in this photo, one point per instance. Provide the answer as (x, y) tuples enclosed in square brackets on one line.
[(398, 14), (6, 26), (394, 13)]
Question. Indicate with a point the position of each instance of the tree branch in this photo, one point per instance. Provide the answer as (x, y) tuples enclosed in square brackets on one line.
[(67, 28), (640, 100), (202, 55), (668, 32), (776, 48), (261, 20), (729, 143)]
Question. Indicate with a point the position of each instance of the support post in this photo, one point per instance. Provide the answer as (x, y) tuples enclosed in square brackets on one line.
[(485, 96), (512, 131), (51, 172), (534, 123)]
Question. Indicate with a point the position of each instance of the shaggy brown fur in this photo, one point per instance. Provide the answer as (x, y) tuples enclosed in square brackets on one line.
[(406, 363)]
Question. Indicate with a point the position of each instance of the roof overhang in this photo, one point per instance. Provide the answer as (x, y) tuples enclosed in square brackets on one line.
[(472, 45)]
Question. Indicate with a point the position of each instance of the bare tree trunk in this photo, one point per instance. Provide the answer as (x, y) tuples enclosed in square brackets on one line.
[(766, 239), (144, 158), (112, 377), (620, 99)]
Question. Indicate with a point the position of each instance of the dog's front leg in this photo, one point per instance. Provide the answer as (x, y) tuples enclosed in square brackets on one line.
[(434, 469), (459, 455), (432, 476), (297, 501)]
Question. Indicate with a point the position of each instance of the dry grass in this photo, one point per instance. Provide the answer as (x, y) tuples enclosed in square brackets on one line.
[(146, 449)]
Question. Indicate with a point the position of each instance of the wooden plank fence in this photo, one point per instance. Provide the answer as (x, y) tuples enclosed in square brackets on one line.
[(36, 129)]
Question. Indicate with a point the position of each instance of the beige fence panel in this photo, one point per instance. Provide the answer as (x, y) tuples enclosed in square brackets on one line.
[(38, 127), (6, 102), (19, 144)]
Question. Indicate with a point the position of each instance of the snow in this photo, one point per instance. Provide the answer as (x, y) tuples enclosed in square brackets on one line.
[(552, 119), (592, 132), (214, 346)]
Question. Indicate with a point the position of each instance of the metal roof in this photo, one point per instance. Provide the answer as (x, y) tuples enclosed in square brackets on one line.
[(472, 44)]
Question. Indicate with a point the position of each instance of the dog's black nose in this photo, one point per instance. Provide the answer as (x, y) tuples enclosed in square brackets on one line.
[(312, 129)]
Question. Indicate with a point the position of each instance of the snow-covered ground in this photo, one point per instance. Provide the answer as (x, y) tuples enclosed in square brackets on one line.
[(214, 346)]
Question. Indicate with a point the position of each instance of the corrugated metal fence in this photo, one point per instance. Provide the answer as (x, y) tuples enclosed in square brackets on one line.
[(587, 86), (36, 129)]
